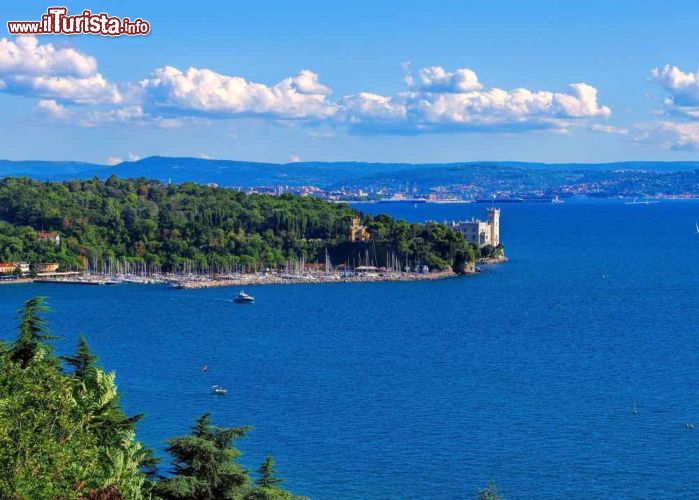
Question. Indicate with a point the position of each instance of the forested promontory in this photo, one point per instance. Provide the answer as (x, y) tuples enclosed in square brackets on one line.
[(188, 225)]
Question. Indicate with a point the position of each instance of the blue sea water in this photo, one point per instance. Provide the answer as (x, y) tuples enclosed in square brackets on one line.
[(525, 374)]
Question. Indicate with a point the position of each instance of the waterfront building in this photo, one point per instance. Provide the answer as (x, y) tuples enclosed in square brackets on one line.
[(11, 267), (46, 267), (7, 267), (358, 232), (481, 233)]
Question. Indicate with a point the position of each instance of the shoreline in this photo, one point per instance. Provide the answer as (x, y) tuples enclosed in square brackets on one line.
[(196, 282), (17, 281), (278, 280), (489, 261), (217, 281)]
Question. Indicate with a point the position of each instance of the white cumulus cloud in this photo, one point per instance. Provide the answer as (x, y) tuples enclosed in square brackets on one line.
[(437, 79), (44, 70), (368, 107), (680, 130), (678, 136), (204, 91), (435, 99), (25, 56), (453, 101), (50, 109), (682, 88), (89, 90), (306, 82)]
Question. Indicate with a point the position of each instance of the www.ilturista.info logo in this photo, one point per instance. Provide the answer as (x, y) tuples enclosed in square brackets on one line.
[(56, 21)]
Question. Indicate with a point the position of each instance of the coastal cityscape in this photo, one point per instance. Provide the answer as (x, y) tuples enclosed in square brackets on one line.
[(613, 184), (469, 182)]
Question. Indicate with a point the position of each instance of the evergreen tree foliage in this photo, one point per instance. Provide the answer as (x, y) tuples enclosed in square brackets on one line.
[(65, 436), (83, 359), (204, 464), (60, 436), (205, 467), (268, 476), (33, 333), (194, 226), (490, 492)]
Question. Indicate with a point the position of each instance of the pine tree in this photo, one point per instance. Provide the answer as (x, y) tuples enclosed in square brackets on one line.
[(60, 436), (33, 333), (268, 476), (490, 492), (204, 464), (83, 359)]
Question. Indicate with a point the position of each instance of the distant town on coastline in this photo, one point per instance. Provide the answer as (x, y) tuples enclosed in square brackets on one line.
[(396, 182)]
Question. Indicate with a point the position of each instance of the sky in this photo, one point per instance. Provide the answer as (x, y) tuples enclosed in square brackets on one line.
[(390, 81)]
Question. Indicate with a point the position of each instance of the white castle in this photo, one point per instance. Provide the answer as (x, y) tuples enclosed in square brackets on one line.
[(481, 233)]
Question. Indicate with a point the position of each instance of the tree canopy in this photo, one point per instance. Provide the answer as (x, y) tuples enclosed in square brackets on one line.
[(64, 434), (170, 226)]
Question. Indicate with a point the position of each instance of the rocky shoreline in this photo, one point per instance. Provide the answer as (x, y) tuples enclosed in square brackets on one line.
[(278, 280), (491, 260)]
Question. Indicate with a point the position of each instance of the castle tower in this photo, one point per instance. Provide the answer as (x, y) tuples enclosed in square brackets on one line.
[(494, 223), (357, 231)]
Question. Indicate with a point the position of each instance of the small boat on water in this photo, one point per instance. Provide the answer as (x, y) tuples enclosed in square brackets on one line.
[(244, 298), (218, 390), (556, 200)]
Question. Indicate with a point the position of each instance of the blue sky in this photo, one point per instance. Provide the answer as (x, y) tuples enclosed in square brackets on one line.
[(371, 81)]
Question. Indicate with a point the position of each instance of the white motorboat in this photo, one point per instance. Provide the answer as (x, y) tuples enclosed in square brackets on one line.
[(244, 298), (219, 391)]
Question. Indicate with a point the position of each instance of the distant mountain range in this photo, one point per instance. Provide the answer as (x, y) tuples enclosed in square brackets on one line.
[(222, 172), (517, 178)]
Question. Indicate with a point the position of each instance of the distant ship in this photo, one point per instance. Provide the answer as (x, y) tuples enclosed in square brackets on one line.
[(556, 200), (500, 200)]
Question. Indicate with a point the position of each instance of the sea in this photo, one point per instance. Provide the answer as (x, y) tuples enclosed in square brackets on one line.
[(526, 374)]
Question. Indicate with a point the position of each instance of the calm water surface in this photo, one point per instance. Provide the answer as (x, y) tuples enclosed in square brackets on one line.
[(525, 374)]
